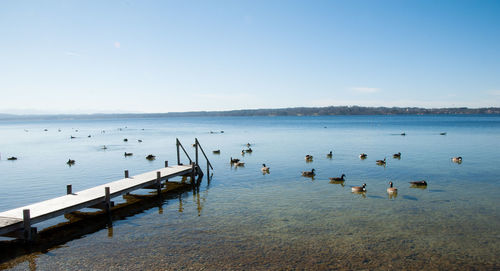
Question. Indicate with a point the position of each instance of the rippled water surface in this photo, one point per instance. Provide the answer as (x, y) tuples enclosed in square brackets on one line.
[(244, 220)]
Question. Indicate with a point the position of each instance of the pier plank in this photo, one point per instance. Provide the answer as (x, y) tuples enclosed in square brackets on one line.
[(13, 219)]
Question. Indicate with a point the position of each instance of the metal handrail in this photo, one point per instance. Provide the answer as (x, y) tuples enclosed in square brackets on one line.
[(178, 143), (202, 151)]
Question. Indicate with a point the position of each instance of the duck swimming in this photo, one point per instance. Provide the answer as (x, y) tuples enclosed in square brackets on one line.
[(338, 179), (70, 162), (363, 156), (457, 160), (397, 155), (128, 154), (391, 190), (12, 158), (308, 173), (419, 183), (381, 162), (265, 168), (359, 188), (235, 160), (216, 152), (329, 155), (150, 157), (309, 157)]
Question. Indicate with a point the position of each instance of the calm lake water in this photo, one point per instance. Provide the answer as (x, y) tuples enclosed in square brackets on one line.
[(244, 220)]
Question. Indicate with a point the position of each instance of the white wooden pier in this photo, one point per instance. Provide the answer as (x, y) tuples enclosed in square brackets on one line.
[(22, 218)]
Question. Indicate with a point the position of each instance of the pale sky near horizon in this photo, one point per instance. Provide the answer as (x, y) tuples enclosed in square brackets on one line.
[(171, 56)]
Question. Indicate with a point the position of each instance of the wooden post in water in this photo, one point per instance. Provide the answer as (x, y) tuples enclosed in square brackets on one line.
[(27, 224), (126, 173), (166, 163), (158, 182), (193, 173), (178, 154), (69, 189), (107, 199)]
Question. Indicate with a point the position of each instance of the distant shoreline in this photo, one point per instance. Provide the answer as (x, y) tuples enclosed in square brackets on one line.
[(295, 111)]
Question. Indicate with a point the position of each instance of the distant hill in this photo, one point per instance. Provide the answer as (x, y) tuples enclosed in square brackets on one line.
[(294, 111)]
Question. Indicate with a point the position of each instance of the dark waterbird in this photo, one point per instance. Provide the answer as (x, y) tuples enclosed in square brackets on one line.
[(12, 158), (235, 160), (363, 156), (70, 162), (397, 155), (359, 188), (418, 183), (128, 154), (338, 179), (392, 190), (308, 173), (329, 155), (150, 157), (381, 162)]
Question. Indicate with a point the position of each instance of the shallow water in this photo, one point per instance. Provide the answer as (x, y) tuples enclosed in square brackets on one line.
[(246, 220)]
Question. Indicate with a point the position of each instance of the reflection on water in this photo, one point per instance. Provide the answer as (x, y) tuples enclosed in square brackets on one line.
[(247, 220)]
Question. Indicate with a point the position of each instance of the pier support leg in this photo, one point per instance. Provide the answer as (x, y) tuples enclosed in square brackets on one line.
[(126, 173), (158, 182), (69, 189), (166, 163), (107, 199), (27, 225), (193, 173)]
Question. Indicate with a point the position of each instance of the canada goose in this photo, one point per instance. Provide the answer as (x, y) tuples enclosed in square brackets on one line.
[(243, 152), (308, 173), (128, 154), (381, 162), (249, 150), (391, 190), (216, 151), (265, 168), (397, 155), (443, 133), (457, 159), (359, 188), (12, 158), (403, 133), (150, 157), (363, 156), (239, 164), (235, 160), (419, 183), (329, 155), (125, 139), (309, 157), (248, 144), (338, 179), (70, 162)]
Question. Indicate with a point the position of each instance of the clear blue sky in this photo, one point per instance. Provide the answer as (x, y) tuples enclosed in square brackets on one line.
[(164, 56)]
